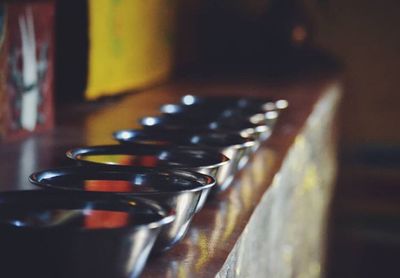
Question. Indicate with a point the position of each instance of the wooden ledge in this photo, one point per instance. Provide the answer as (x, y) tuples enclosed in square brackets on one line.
[(217, 238)]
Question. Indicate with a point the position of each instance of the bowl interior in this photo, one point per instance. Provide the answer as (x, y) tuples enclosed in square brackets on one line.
[(138, 181), (182, 137), (228, 102), (236, 124), (150, 137), (193, 111), (221, 140), (149, 156), (220, 102), (72, 211), (177, 121)]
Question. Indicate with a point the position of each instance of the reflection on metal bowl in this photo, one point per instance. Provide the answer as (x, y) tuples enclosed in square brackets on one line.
[(237, 148), (178, 190), (202, 160), (230, 102), (235, 124), (76, 234)]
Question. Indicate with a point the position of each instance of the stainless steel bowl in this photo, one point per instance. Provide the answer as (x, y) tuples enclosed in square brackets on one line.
[(268, 118), (179, 122), (237, 148), (224, 102), (255, 114), (243, 126), (178, 190), (260, 131), (205, 161), (44, 233), (259, 110)]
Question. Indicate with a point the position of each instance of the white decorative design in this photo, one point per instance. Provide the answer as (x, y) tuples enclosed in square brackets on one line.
[(30, 97)]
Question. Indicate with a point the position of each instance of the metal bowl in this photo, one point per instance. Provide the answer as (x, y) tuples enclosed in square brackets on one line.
[(191, 111), (179, 191), (224, 102), (213, 113), (259, 110), (205, 161), (268, 118), (76, 234), (239, 125), (237, 148), (179, 122), (258, 130)]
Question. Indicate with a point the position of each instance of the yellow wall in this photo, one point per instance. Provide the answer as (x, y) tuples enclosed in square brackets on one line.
[(130, 44)]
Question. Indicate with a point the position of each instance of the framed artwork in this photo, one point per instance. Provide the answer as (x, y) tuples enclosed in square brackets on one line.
[(26, 61)]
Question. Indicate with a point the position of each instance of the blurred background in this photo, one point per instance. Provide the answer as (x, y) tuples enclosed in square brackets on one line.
[(364, 36), (74, 43)]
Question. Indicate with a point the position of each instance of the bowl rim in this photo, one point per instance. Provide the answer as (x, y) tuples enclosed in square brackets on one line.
[(165, 216), (40, 178), (129, 135), (121, 149), (266, 102), (181, 109), (245, 125)]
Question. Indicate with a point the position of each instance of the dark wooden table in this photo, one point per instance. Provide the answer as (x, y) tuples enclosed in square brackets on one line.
[(217, 228)]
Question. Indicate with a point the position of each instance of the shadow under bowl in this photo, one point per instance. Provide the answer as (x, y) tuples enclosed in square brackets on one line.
[(76, 234)]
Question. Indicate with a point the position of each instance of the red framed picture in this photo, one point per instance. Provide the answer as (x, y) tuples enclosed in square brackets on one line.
[(26, 61)]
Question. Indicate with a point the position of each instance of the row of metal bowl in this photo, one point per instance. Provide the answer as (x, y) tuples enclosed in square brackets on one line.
[(103, 216)]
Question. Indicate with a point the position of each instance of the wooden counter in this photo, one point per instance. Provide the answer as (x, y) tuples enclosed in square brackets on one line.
[(270, 221)]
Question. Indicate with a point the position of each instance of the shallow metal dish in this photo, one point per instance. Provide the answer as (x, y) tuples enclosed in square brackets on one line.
[(178, 190), (238, 125), (46, 233), (259, 110), (237, 148), (224, 102), (258, 130), (255, 114), (205, 161), (177, 122)]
